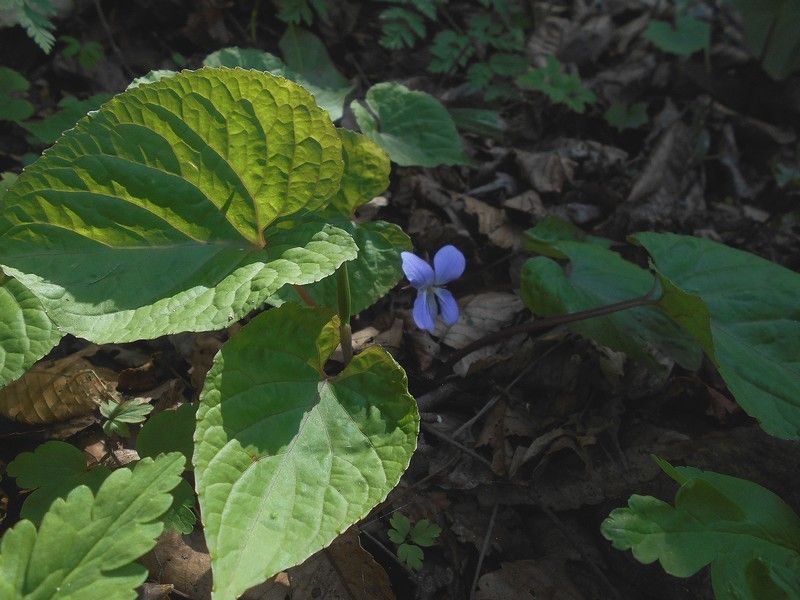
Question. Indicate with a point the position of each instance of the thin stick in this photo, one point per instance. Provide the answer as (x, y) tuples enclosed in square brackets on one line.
[(576, 543), (380, 545), (444, 437), (102, 16), (550, 323), (505, 390), (484, 549)]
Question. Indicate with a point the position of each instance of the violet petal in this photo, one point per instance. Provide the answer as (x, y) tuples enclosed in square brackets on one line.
[(425, 310), (418, 272), (448, 264), (448, 306)]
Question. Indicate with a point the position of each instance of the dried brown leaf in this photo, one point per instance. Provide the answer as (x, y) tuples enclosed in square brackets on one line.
[(57, 390), (493, 223), (546, 171), (482, 314), (545, 579)]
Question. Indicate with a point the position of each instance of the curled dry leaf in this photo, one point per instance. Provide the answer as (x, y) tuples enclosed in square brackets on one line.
[(343, 571), (528, 202), (493, 223), (546, 171), (183, 562), (482, 314), (546, 579), (57, 390)]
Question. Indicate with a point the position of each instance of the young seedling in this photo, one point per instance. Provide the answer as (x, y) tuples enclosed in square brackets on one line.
[(410, 540), (120, 414), (560, 86)]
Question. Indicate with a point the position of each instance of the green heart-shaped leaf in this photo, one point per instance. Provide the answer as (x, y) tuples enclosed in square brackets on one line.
[(156, 214), (286, 458), (744, 311), (598, 276), (413, 127)]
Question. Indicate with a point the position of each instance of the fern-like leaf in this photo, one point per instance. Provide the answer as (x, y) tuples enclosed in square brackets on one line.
[(85, 547)]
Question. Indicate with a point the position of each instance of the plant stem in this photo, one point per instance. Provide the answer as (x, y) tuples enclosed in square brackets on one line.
[(343, 288), (551, 322)]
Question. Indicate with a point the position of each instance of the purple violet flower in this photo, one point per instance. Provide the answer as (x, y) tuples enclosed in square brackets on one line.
[(432, 298)]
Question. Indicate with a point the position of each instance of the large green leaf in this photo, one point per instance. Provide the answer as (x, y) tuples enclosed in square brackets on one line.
[(413, 127), (745, 311), (771, 28), (597, 276), (375, 271), (26, 332), (329, 98), (749, 536), (286, 457), (85, 547), (153, 215)]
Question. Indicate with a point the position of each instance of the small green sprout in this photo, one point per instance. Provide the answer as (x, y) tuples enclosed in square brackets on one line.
[(687, 36), (120, 414), (560, 86), (626, 116), (423, 533), (89, 54)]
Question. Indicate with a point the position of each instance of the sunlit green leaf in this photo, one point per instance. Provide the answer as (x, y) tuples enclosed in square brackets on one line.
[(287, 457), (155, 214), (313, 68), (366, 172), (375, 271), (104, 535)]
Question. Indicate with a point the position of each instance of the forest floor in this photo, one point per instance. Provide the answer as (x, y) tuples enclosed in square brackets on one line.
[(526, 447)]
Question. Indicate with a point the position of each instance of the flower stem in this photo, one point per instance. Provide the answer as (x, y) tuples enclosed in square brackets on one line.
[(552, 322), (343, 288)]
